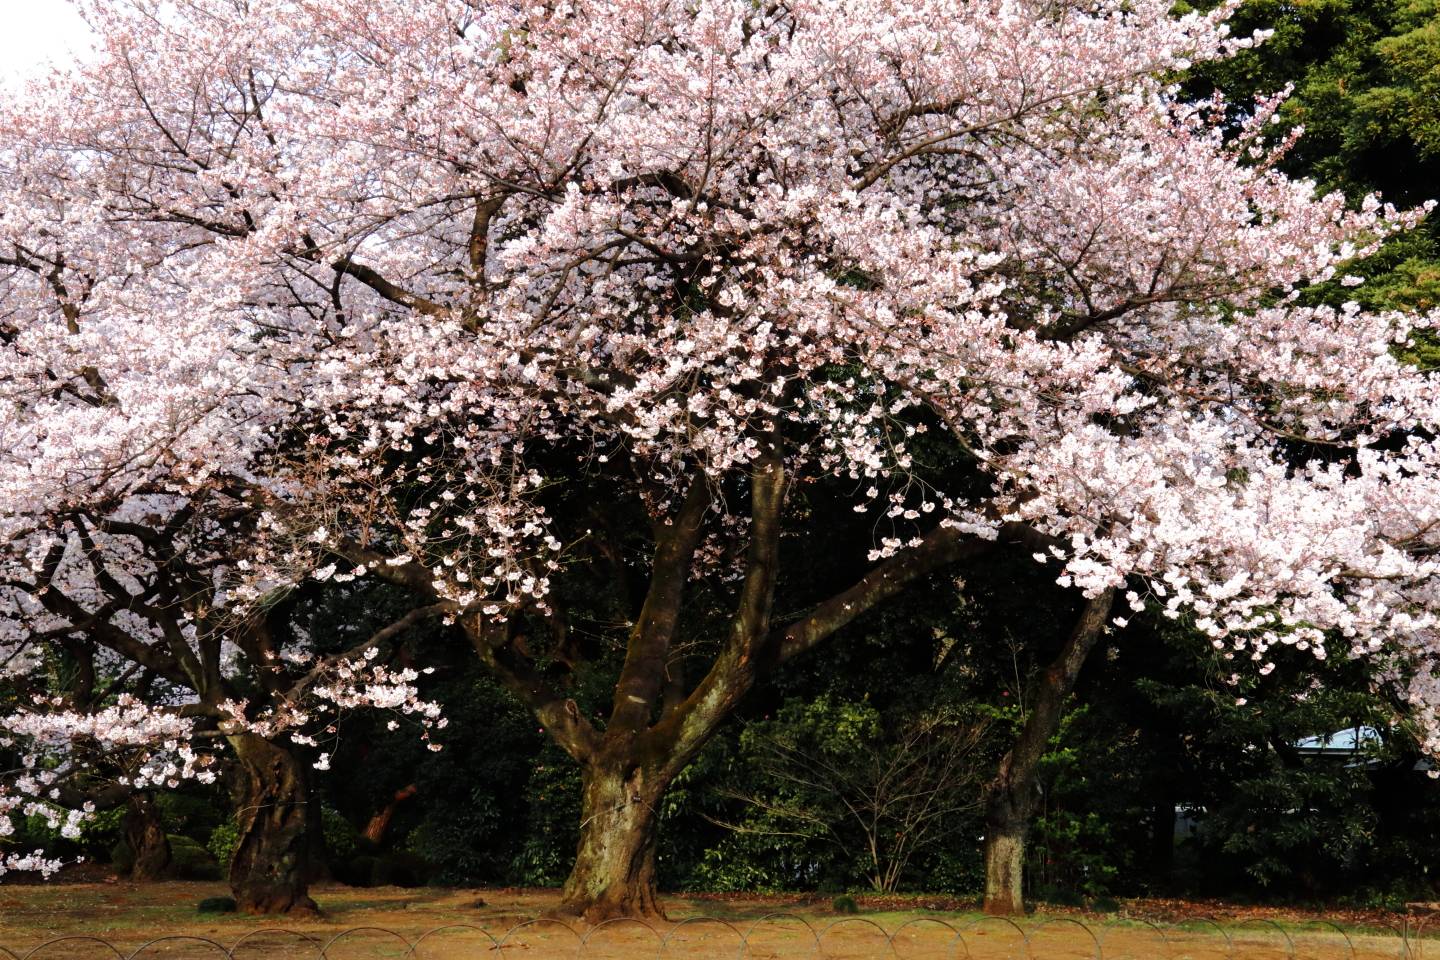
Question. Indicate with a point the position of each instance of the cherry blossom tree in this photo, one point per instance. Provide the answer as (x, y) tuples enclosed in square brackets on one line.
[(171, 683), (401, 287), (71, 763)]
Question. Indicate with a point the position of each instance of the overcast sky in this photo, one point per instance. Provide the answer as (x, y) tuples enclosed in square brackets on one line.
[(33, 32)]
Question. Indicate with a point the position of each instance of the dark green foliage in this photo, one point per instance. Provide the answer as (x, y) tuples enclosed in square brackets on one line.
[(1104, 904), (98, 840), (941, 650), (844, 904), (195, 810), (1075, 848), (498, 804), (342, 840), (1059, 897), (1366, 75), (1162, 730), (872, 792), (399, 869), (217, 905), (189, 860), (465, 823), (223, 840), (121, 857)]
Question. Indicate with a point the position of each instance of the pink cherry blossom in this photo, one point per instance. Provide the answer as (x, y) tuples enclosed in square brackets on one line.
[(339, 282)]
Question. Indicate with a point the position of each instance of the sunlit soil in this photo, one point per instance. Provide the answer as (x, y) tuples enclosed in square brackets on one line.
[(115, 921)]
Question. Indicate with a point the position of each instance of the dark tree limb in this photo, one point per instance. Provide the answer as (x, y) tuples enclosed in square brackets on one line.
[(643, 675)]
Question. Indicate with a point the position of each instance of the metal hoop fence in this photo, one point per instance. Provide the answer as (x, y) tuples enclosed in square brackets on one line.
[(787, 936)]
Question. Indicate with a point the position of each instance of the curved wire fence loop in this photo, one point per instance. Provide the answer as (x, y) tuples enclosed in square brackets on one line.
[(275, 943), (438, 932), (775, 920), (978, 949), (692, 922), (953, 943), (1372, 943), (354, 933), (1266, 921), (1402, 930), (178, 938), (1334, 928), (607, 930), (784, 936), (1040, 928), (270, 932), (543, 928), (998, 921), (1188, 943), (77, 938), (1415, 934), (1212, 923), (1411, 930), (858, 951), (1127, 926)]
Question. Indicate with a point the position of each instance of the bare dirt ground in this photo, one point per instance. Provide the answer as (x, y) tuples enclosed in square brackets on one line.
[(116, 921)]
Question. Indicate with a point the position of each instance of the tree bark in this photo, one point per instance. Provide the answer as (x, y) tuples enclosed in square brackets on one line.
[(614, 871), (1005, 863), (270, 871), (1010, 797), (145, 836), (379, 824)]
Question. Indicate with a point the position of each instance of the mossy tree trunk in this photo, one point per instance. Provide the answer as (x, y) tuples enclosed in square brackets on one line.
[(1005, 864), (1010, 798), (270, 871), (614, 871)]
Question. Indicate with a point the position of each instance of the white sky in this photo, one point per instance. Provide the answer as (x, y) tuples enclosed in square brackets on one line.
[(36, 32)]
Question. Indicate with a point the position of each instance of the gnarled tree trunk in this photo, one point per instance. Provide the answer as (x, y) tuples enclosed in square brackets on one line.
[(145, 837), (614, 871), (1011, 796), (270, 871)]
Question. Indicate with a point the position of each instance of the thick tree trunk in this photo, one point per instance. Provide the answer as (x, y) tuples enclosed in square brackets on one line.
[(1004, 863), (614, 871), (1010, 797), (145, 837), (270, 871)]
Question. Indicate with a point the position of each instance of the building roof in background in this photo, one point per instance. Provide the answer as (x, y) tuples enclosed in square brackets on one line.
[(1340, 743)]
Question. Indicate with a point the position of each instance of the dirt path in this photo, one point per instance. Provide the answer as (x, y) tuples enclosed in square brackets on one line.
[(113, 921)]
